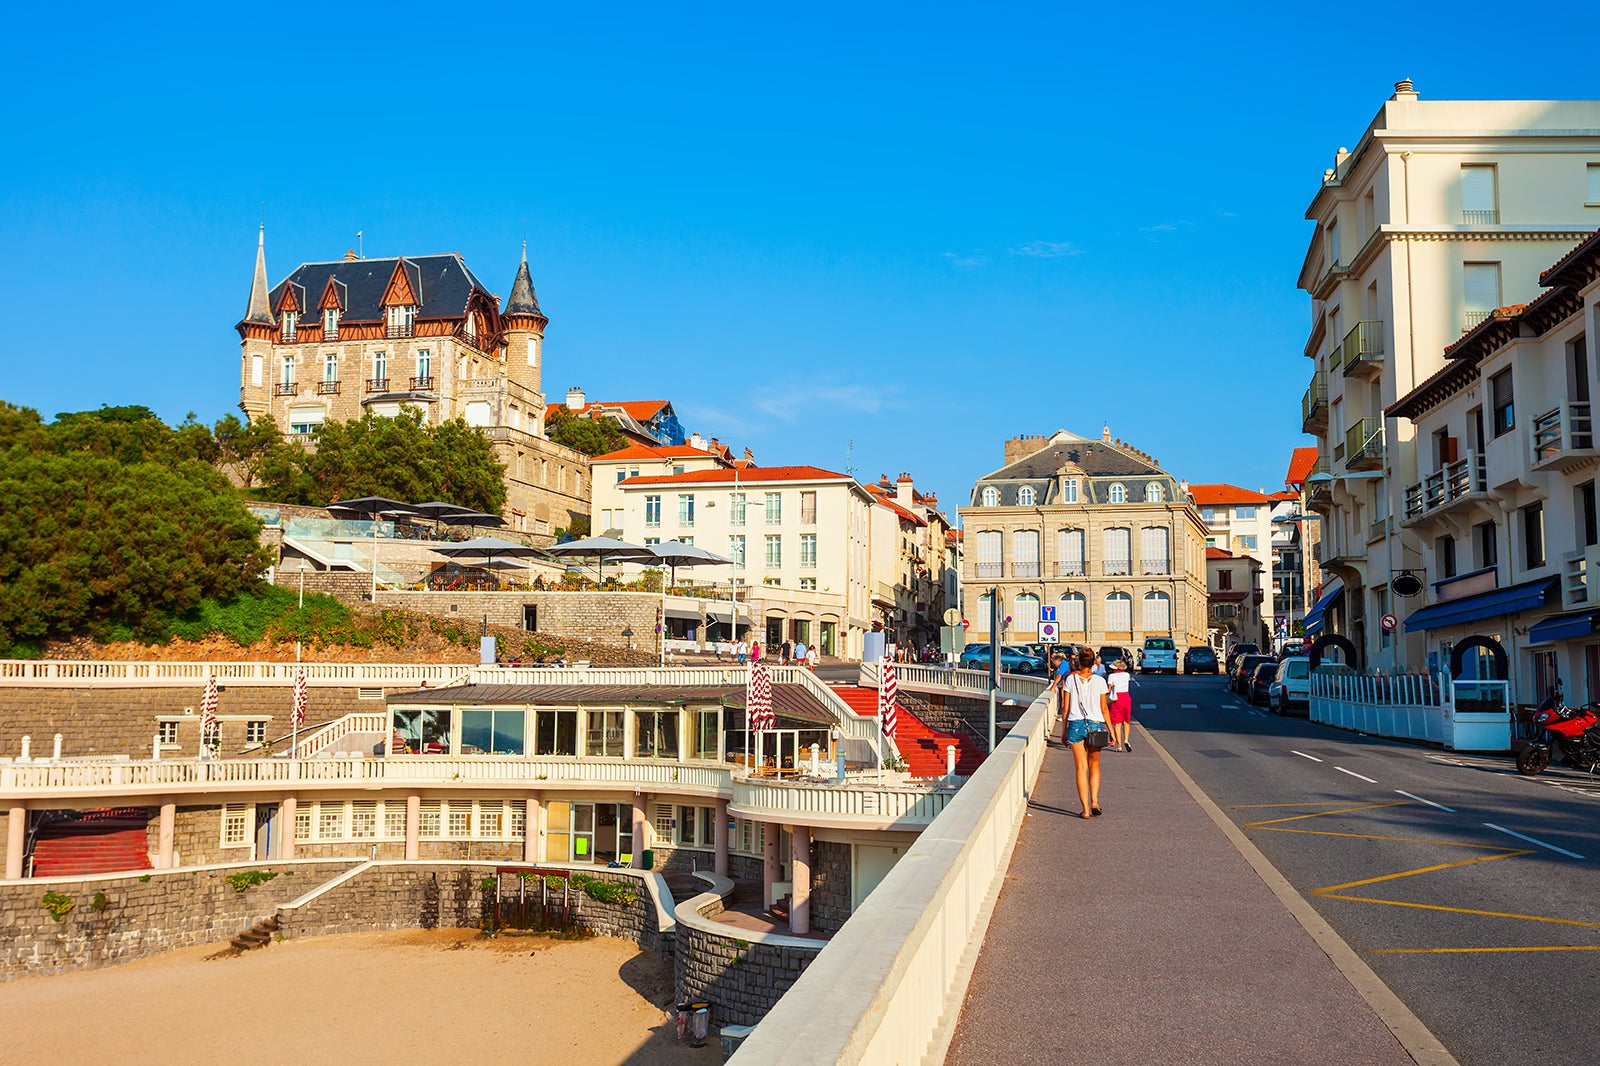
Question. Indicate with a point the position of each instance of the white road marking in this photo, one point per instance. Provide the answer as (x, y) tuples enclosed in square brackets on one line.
[(1430, 803), (1303, 755), (1188, 706), (1147, 706), (1352, 773), (1531, 840)]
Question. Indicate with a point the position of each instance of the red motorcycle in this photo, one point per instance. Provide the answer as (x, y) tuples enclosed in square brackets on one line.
[(1575, 732)]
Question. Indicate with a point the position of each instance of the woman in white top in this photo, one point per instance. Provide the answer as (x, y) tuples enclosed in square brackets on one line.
[(1120, 704), (1083, 694), (812, 655)]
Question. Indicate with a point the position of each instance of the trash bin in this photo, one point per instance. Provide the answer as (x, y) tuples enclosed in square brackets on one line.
[(649, 859), (700, 1022)]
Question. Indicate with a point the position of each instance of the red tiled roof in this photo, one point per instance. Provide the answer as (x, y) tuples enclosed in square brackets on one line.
[(1277, 497), (666, 451), (1212, 495), (1301, 460), (642, 410), (1218, 553), (884, 497), (1549, 277), (756, 475), (953, 536)]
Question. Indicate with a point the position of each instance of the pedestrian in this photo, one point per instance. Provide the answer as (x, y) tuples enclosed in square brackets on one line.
[(755, 651), (783, 653), (1099, 668), (742, 650), (1084, 694), (812, 655), (1120, 703), (799, 653)]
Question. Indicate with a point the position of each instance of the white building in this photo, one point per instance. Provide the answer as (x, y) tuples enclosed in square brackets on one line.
[(799, 537), (608, 471), (1239, 521), (1444, 211)]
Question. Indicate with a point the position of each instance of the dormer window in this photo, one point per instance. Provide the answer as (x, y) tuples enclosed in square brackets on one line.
[(1153, 493), (1119, 493), (991, 496), (330, 323), (400, 320), (1025, 496), (291, 322)]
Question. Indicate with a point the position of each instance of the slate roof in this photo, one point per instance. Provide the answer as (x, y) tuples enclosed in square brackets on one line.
[(1090, 458), (523, 300), (442, 282), (788, 701)]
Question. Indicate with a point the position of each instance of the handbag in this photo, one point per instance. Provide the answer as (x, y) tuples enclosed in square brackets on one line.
[(1099, 735)]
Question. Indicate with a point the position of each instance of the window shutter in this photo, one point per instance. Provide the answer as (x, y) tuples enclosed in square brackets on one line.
[(1477, 188), (1119, 612), (1153, 544), (1482, 284), (1117, 545), (1072, 605)]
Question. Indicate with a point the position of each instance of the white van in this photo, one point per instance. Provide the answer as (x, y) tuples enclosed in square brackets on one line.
[(1159, 653), (1291, 689)]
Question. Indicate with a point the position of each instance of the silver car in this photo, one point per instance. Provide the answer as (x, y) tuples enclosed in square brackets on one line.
[(1290, 691)]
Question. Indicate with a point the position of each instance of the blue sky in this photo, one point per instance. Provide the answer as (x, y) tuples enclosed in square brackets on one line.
[(900, 235)]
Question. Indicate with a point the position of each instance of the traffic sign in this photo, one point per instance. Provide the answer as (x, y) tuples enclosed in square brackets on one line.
[(1390, 623), (965, 624), (1047, 633), (1047, 613), (952, 617)]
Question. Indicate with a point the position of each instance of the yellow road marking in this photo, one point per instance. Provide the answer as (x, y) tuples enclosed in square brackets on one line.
[(1473, 951)]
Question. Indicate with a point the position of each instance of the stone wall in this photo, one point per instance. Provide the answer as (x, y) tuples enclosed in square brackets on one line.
[(348, 586), (142, 916), (740, 978), (830, 885), (113, 720), (593, 616)]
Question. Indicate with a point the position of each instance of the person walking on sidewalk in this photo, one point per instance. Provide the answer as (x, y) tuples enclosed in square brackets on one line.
[(1120, 702), (1084, 696)]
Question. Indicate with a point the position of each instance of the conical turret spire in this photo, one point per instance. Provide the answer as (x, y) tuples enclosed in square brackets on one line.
[(260, 307), (523, 300)]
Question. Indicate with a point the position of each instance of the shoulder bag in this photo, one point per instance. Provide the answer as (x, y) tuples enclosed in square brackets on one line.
[(1099, 735)]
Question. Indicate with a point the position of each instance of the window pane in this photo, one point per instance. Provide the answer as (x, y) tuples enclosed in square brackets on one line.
[(477, 732)]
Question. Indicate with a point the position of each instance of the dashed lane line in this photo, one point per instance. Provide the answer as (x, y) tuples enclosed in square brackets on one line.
[(1303, 755), (1531, 840), (1147, 706), (1429, 802), (1352, 773), (1189, 706)]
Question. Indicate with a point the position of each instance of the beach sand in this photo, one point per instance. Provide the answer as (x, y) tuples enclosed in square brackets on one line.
[(440, 996)]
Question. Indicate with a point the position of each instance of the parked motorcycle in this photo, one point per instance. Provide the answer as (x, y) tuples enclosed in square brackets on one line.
[(1573, 731)]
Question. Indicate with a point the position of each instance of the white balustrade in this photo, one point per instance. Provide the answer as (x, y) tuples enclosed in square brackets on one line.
[(28, 673), (901, 806), (1461, 715)]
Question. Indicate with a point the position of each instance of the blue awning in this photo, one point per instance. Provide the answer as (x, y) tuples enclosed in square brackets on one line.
[(1314, 617), (1496, 603), (1563, 627)]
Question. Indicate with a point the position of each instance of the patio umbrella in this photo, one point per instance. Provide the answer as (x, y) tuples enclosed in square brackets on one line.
[(492, 551), (438, 509), (673, 554), (208, 713), (476, 519), (601, 549), (371, 507)]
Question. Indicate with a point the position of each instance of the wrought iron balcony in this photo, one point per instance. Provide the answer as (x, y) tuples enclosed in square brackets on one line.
[(328, 388), (422, 384), (1563, 439), (989, 569), (1074, 568), (397, 332), (1156, 567), (1118, 567), (1363, 349), (1363, 445), (377, 384), (1472, 318), (1446, 487), (1480, 218), (284, 388), (1314, 405), (1025, 569)]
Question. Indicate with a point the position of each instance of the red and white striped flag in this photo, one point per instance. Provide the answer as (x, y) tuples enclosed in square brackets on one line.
[(888, 702), (208, 710), (298, 717), (759, 700)]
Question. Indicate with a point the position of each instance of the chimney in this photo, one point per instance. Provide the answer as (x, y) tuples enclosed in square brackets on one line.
[(575, 399), (1183, 487), (749, 457), (902, 491), (1105, 433), (351, 256), (1018, 448), (697, 442), (1404, 90)]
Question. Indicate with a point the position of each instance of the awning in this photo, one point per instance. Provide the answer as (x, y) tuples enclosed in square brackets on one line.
[(1497, 603), (719, 612), (683, 614), (1563, 627), (1313, 619)]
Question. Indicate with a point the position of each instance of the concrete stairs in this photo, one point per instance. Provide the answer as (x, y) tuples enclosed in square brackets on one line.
[(922, 747), (103, 841), (257, 936)]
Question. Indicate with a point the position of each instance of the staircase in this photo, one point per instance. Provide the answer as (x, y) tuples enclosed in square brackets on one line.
[(923, 748), (257, 936), (103, 841)]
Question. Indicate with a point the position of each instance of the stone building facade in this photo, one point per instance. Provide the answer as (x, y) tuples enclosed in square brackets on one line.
[(1095, 528), (338, 340)]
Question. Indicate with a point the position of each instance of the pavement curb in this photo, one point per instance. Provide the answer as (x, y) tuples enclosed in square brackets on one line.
[(1415, 1037)]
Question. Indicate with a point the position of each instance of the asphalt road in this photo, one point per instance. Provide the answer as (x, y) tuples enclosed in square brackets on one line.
[(1411, 853)]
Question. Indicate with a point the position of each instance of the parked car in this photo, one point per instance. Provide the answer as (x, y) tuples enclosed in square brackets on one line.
[(1013, 660), (1291, 686), (1112, 652), (1261, 682), (1200, 660), (1232, 662), (1159, 654), (1292, 648), (1244, 669)]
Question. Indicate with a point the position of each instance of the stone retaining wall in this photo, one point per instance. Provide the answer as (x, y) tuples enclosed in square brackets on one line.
[(141, 917), (741, 978), (830, 885), (599, 617)]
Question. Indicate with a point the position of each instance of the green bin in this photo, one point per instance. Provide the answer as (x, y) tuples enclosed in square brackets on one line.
[(649, 859)]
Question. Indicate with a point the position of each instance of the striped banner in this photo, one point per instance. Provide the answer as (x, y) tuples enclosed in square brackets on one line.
[(759, 702), (208, 711), (298, 717), (888, 699)]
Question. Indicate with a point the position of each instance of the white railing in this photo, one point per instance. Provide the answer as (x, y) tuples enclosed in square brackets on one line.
[(27, 673), (884, 807), (888, 986), (928, 675), (1575, 577), (337, 730), (1462, 715), (1567, 428)]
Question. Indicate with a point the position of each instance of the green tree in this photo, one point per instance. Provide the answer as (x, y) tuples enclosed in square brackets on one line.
[(587, 435), (244, 448)]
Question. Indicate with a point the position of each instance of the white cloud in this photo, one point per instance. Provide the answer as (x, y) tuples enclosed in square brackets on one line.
[(1047, 249), (1161, 227), (790, 403), (974, 259)]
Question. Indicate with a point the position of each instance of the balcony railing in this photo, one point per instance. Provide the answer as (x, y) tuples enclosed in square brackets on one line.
[(1467, 476), (1363, 348), (1575, 577), (989, 569), (1118, 567), (328, 388), (1378, 529), (1318, 492), (1025, 569), (398, 332), (483, 342), (284, 388), (330, 333), (1156, 567), (1480, 218), (1363, 445), (1314, 405), (1071, 569), (422, 384), (1472, 318), (377, 384), (1564, 437)]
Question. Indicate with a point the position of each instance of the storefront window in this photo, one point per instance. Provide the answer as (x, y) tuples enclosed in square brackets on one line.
[(707, 726), (421, 732), (493, 732), (557, 733), (656, 734)]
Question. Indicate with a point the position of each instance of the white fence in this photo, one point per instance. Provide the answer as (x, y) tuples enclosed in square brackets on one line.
[(976, 682), (889, 985), (30, 673), (817, 804), (1461, 715)]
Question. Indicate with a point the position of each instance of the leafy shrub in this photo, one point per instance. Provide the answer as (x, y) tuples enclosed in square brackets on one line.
[(58, 905), (249, 878)]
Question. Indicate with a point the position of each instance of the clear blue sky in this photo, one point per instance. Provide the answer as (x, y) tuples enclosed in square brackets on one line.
[(922, 229)]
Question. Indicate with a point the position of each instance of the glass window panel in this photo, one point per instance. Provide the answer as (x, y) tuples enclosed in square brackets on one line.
[(489, 820), (430, 822), (364, 820), (460, 820), (477, 732), (330, 821), (394, 821)]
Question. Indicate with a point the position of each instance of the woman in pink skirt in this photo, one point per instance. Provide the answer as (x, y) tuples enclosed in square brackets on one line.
[(1120, 705)]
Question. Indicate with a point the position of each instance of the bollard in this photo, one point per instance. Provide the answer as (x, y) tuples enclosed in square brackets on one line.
[(815, 761), (56, 755), (950, 760), (27, 742)]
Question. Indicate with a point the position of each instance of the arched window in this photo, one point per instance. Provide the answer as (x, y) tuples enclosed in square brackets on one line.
[(1118, 551), (1025, 496), (989, 542), (991, 496), (1074, 613), (1153, 492), (1157, 613), (1155, 550), (1025, 616), (1025, 553), (1119, 613), (1069, 553), (980, 621), (1119, 493)]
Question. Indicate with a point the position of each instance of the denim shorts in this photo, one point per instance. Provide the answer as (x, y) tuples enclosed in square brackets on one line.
[(1078, 729)]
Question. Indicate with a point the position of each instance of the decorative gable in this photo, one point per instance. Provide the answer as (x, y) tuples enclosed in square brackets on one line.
[(333, 298), (400, 292), (289, 299)]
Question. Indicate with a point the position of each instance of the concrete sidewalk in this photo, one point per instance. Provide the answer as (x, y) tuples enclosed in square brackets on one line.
[(1145, 936)]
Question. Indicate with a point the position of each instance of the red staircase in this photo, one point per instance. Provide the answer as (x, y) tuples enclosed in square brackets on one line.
[(108, 840), (923, 747)]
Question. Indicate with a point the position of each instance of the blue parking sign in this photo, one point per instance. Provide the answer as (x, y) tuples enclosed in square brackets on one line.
[(1047, 613)]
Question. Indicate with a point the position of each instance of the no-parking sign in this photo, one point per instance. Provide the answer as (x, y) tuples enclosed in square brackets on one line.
[(1390, 623), (1048, 633)]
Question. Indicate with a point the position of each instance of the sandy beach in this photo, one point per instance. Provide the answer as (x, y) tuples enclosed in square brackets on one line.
[(442, 996)]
